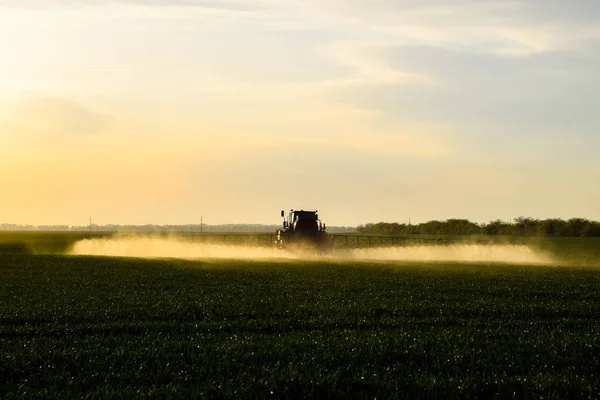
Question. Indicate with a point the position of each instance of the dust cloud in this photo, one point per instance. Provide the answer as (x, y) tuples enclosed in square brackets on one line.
[(509, 254), (174, 247)]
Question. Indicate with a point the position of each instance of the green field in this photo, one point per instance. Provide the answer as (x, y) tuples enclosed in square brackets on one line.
[(114, 327)]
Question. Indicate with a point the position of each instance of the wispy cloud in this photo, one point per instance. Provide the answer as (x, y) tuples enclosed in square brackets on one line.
[(233, 5), (512, 27), (53, 118)]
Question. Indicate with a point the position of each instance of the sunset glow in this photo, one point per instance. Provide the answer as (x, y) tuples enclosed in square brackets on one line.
[(163, 111)]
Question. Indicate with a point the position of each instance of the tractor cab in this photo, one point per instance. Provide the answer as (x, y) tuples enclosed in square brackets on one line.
[(303, 227), (306, 222)]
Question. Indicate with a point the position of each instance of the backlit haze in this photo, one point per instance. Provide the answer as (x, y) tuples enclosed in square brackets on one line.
[(156, 111)]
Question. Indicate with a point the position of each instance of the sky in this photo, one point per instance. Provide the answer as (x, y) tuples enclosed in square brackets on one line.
[(156, 111)]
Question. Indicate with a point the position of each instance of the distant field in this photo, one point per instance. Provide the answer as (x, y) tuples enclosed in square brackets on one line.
[(116, 327)]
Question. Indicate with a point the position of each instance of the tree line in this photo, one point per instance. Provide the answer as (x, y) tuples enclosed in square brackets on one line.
[(522, 226), (223, 228)]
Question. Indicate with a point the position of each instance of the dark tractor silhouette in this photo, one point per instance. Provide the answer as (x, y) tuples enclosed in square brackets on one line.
[(303, 229)]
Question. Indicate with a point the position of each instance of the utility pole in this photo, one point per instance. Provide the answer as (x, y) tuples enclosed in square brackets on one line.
[(90, 223), (201, 224)]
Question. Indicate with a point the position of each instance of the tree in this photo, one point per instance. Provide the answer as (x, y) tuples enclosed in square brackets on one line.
[(577, 225), (591, 229), (525, 226), (497, 227), (553, 227)]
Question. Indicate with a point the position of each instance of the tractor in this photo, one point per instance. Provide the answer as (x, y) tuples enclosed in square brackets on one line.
[(303, 230)]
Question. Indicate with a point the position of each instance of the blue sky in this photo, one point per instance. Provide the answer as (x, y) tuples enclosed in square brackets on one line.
[(162, 111)]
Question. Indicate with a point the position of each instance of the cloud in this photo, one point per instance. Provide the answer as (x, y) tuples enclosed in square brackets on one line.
[(231, 5), (368, 68), (490, 27), (485, 97), (397, 144), (236, 5), (55, 118), (507, 28)]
